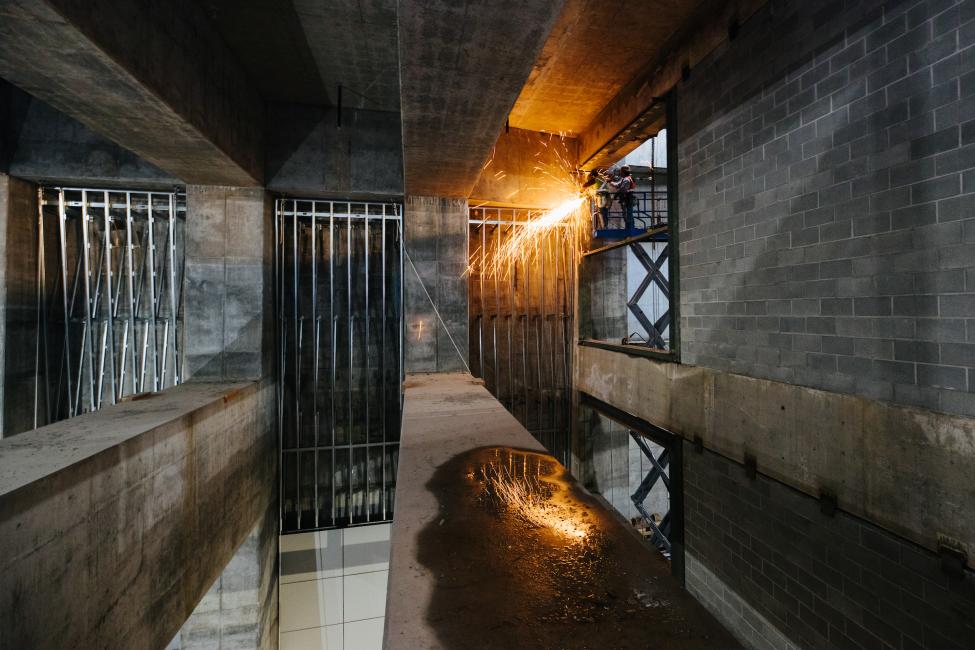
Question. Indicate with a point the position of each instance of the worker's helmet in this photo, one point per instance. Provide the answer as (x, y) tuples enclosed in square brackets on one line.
[(625, 170)]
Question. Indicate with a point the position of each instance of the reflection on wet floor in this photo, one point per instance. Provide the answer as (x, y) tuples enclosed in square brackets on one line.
[(525, 558)]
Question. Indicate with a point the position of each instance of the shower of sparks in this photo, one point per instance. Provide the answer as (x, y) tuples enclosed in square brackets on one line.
[(569, 222), (526, 499)]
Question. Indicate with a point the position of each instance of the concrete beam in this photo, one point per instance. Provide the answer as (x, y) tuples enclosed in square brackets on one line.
[(462, 66), (153, 77), (310, 154), (114, 524), (634, 114), (527, 168), (44, 145), (904, 469)]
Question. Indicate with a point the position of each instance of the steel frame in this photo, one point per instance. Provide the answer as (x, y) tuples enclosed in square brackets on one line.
[(658, 472), (109, 324), (338, 300), (521, 324)]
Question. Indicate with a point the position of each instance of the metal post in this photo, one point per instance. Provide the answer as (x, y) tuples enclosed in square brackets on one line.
[(382, 366), (172, 287), (109, 311), (88, 343), (366, 386), (315, 343), (151, 330)]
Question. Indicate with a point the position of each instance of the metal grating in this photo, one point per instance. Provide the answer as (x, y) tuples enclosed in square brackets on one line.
[(339, 269), (109, 277), (521, 324)]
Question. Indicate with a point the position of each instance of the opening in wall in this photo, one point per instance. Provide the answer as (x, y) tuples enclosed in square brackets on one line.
[(109, 297), (339, 270), (637, 468), (521, 320), (628, 275)]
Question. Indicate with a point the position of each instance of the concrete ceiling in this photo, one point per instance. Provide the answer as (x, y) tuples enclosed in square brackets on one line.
[(463, 64), (301, 50), (593, 50)]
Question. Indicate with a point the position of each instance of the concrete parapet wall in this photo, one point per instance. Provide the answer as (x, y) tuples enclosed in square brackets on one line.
[(114, 524), (906, 470)]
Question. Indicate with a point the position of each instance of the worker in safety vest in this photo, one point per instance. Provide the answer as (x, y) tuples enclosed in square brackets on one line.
[(624, 187)]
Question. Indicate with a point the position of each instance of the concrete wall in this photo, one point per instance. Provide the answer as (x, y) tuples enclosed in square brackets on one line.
[(827, 171), (309, 154), (18, 303), (602, 296), (240, 610), (227, 308), (436, 231), (781, 574), (45, 145), (114, 524)]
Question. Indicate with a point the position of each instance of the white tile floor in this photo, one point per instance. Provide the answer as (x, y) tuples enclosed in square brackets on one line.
[(333, 589)]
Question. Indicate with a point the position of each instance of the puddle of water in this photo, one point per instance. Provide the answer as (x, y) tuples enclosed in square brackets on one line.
[(525, 558)]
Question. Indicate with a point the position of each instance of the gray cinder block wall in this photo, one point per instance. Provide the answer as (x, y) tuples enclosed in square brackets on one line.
[(827, 171), (781, 574), (18, 303), (435, 284)]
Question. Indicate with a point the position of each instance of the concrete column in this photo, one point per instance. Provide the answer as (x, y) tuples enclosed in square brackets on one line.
[(602, 296), (18, 303), (435, 288), (240, 610), (227, 300)]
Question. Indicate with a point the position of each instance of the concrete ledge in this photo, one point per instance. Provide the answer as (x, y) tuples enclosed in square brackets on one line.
[(114, 524), (466, 568), (905, 469)]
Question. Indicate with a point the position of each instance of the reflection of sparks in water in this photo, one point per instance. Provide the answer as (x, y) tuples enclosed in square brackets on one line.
[(532, 497), (419, 331), (568, 220)]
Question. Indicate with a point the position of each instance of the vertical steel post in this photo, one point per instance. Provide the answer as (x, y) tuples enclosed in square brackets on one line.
[(382, 368), (366, 383), (296, 317), (172, 287), (334, 333), (151, 330), (315, 343), (349, 324), (88, 342), (109, 311)]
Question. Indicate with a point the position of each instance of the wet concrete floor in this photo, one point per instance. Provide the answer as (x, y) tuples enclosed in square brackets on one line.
[(522, 557)]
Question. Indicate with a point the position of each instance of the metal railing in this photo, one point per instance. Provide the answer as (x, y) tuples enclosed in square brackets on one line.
[(339, 271), (109, 279)]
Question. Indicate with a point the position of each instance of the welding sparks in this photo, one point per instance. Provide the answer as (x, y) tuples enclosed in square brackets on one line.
[(568, 224)]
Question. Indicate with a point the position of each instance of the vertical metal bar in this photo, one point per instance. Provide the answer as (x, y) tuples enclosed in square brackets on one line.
[(334, 332), (480, 320), (315, 343), (130, 284), (150, 254), (349, 325), (296, 317), (86, 269), (279, 384), (172, 286), (382, 367), (109, 311), (366, 383), (41, 322)]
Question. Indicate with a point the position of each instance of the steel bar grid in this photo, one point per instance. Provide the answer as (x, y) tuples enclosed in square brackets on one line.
[(521, 321), (339, 322), (97, 335)]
